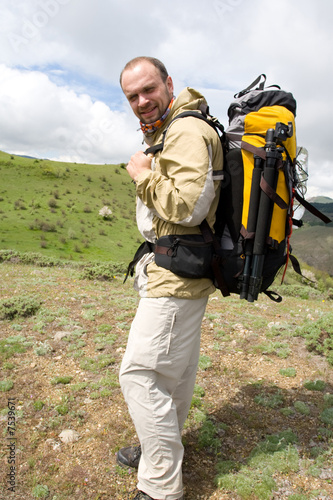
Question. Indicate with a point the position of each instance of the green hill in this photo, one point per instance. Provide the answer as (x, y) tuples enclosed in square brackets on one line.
[(326, 207), (314, 245), (320, 199), (53, 208)]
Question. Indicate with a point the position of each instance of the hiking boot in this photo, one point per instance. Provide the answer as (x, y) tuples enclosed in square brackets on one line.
[(129, 457), (143, 496)]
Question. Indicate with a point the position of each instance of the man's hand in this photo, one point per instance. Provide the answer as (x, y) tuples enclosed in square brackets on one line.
[(138, 163)]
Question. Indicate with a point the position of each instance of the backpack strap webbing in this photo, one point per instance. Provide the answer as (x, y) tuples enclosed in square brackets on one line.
[(210, 120), (209, 237), (254, 150), (260, 81), (145, 247), (203, 115), (312, 209)]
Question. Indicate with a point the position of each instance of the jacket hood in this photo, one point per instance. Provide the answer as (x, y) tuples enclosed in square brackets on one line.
[(189, 99)]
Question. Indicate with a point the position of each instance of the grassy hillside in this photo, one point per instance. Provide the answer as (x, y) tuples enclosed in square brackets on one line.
[(326, 207), (320, 199), (314, 245), (53, 208)]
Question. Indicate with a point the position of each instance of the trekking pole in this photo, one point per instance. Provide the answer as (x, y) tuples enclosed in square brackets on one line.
[(270, 177), (251, 224)]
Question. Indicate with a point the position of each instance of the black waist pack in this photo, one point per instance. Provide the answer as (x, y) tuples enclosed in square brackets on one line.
[(189, 256)]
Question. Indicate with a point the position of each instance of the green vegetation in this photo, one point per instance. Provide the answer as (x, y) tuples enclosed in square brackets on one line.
[(38, 405), (315, 385), (19, 307), (256, 379), (53, 208), (269, 400), (288, 372), (61, 380), (205, 362), (12, 345), (6, 385), (280, 349), (319, 335), (277, 454), (327, 416), (40, 491), (302, 407)]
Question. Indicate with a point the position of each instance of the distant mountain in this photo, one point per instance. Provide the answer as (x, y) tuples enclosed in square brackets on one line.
[(314, 245), (26, 156), (325, 205), (320, 199)]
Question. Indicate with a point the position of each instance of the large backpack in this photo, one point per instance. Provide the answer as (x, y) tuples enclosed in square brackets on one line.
[(261, 179), (255, 210)]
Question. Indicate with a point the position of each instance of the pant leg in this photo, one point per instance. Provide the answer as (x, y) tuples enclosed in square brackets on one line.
[(162, 351)]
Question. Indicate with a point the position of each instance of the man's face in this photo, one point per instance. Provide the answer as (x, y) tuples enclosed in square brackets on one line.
[(146, 92)]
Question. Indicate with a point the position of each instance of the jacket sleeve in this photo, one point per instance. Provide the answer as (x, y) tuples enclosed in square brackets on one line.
[(181, 189)]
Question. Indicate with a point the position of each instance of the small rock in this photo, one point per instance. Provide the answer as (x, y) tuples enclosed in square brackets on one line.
[(53, 443), (326, 474), (69, 436), (60, 335)]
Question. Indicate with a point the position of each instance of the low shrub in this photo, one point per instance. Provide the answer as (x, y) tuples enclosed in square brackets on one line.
[(19, 307), (318, 335), (102, 272)]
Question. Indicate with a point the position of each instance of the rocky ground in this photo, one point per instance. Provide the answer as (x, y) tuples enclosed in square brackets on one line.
[(65, 378)]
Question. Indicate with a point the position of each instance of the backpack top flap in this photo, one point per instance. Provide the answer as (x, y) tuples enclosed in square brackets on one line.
[(252, 100)]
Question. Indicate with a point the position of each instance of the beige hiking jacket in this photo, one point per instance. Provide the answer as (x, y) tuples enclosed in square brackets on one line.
[(177, 194)]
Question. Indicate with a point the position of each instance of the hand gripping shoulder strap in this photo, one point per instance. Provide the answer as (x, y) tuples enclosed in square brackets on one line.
[(202, 114)]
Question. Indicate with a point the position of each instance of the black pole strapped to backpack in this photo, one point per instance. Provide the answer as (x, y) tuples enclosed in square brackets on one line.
[(251, 224), (267, 199)]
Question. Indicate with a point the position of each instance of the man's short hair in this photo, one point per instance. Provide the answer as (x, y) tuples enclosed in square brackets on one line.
[(155, 62)]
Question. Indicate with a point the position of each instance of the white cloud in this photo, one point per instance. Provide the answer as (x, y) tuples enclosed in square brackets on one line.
[(40, 118), (62, 59)]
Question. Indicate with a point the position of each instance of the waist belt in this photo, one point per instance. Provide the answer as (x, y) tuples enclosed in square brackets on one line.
[(145, 247)]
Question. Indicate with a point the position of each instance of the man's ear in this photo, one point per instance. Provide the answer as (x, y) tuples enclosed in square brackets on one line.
[(169, 83)]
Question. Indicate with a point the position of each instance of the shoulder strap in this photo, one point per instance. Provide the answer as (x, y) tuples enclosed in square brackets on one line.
[(203, 115)]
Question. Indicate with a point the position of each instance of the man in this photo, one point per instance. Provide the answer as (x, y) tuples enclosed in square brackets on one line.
[(175, 192)]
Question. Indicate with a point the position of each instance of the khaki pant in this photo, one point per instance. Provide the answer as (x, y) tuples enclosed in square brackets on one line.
[(157, 377)]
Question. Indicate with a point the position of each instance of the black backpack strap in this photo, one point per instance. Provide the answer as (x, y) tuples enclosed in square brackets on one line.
[(203, 115), (260, 81), (312, 209), (274, 296), (155, 149), (209, 237), (145, 247)]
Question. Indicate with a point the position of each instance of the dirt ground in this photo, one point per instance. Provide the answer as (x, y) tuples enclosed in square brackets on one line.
[(69, 325)]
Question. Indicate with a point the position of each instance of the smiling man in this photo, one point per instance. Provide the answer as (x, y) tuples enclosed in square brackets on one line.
[(176, 190), (148, 88)]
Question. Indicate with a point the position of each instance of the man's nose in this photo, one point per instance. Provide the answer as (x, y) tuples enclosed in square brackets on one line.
[(143, 101)]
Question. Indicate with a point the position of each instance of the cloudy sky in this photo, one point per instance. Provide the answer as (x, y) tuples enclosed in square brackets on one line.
[(60, 62)]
